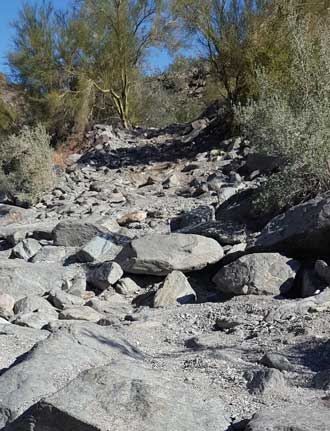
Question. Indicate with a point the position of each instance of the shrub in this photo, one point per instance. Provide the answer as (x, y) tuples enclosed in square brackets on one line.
[(292, 120), (26, 164)]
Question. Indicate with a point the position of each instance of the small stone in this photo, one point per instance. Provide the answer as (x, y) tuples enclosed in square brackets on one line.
[(61, 299), (80, 313), (100, 248), (104, 275), (26, 249), (126, 286), (277, 361), (133, 217), (7, 303), (176, 289)]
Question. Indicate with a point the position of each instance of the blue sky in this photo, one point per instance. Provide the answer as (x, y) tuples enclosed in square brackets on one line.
[(8, 12)]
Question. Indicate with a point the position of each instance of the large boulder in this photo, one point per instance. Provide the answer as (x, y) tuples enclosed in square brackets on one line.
[(161, 254), (303, 229), (125, 395), (257, 274), (54, 362), (19, 278), (300, 418)]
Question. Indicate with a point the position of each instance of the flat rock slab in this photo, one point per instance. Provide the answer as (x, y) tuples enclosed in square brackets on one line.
[(162, 254), (19, 278), (54, 362), (125, 395), (304, 418)]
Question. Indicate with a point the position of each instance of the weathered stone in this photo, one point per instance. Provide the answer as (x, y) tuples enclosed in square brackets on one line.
[(26, 249), (302, 229), (75, 233), (61, 299), (266, 381), (323, 271), (7, 303), (126, 286), (32, 304), (133, 217), (196, 216), (113, 396), (300, 418), (100, 248), (321, 380), (35, 320), (80, 313), (175, 289), (52, 254), (162, 254), (104, 275), (54, 362), (20, 279), (257, 274), (275, 360)]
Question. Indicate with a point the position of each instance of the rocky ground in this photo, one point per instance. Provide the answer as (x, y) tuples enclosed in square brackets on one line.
[(145, 293)]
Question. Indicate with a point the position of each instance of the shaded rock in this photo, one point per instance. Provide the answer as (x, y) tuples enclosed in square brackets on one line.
[(10, 214), (80, 313), (162, 254), (76, 233), (257, 274), (321, 380), (104, 275), (123, 393), (54, 362), (262, 162), (275, 360), (26, 249), (311, 283), (196, 216), (266, 381), (323, 271), (300, 418), (175, 289), (302, 229)]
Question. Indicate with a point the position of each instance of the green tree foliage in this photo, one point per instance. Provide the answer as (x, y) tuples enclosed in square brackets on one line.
[(69, 62)]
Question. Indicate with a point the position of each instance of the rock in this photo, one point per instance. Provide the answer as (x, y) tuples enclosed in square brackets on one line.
[(52, 254), (76, 233), (10, 214), (34, 304), (126, 286), (104, 275), (266, 381), (257, 274), (20, 279), (162, 254), (196, 216), (15, 341), (175, 289), (54, 362), (116, 198), (321, 380), (223, 324), (100, 248), (302, 229), (311, 283), (61, 299), (35, 320), (262, 162), (133, 217), (7, 303), (17, 232), (323, 271), (26, 249), (277, 361), (80, 313), (173, 181), (293, 418), (125, 395)]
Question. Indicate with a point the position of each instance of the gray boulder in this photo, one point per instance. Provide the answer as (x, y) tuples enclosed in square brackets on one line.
[(293, 418), (104, 275), (76, 233), (80, 313), (54, 362), (51, 253), (20, 279), (32, 304), (257, 274), (36, 320), (304, 229), (7, 303), (100, 248), (196, 216), (175, 289), (125, 395), (161, 254), (26, 249), (61, 299)]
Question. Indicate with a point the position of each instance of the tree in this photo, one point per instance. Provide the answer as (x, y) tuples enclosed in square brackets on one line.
[(95, 49), (224, 30)]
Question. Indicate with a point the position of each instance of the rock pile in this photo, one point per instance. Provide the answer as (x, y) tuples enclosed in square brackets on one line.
[(143, 292)]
